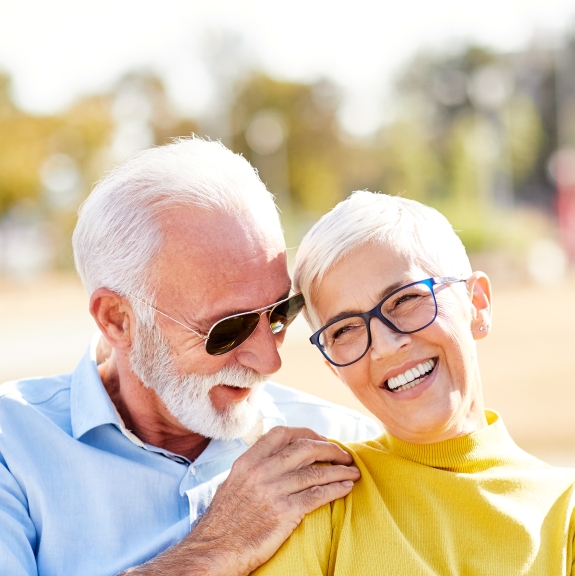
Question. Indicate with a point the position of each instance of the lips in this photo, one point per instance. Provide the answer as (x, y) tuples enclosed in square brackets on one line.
[(223, 395), (411, 377)]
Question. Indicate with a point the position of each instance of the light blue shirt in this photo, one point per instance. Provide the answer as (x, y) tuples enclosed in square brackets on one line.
[(81, 495)]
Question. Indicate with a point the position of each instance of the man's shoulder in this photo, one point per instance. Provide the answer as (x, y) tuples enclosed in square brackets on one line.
[(327, 418), (284, 395), (43, 394)]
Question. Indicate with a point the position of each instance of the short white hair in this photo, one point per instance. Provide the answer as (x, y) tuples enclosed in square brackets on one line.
[(415, 231), (118, 230)]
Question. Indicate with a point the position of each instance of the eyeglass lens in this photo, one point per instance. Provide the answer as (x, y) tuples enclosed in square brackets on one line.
[(409, 310), (231, 332)]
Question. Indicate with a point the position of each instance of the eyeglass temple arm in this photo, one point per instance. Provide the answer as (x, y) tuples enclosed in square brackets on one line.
[(202, 336), (448, 280)]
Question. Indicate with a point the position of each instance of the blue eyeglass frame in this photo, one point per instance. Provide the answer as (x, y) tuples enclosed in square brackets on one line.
[(375, 312)]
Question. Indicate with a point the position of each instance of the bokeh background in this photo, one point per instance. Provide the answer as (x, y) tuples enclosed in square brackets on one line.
[(470, 109)]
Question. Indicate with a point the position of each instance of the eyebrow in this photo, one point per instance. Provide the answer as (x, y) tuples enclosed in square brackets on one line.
[(350, 312)]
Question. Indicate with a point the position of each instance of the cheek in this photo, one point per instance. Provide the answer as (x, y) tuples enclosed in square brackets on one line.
[(455, 338), (454, 319), (194, 360), (364, 378), (355, 377), (187, 351), (279, 338)]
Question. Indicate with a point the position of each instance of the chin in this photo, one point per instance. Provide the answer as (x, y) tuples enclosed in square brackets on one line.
[(231, 423)]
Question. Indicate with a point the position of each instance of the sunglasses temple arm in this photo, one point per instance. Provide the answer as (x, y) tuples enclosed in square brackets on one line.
[(172, 319)]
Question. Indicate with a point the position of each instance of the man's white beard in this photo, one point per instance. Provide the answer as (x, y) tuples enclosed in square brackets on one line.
[(187, 397)]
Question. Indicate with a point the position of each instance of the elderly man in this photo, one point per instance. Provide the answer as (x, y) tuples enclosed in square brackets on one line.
[(112, 468)]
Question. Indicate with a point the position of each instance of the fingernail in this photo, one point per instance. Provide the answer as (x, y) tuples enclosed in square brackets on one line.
[(347, 483)]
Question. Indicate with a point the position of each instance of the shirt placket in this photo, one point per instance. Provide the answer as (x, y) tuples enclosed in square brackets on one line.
[(201, 494)]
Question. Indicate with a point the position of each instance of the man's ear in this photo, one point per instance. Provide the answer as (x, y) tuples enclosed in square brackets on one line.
[(114, 317), (480, 294)]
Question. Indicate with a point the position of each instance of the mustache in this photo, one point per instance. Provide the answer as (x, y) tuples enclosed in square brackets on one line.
[(235, 376)]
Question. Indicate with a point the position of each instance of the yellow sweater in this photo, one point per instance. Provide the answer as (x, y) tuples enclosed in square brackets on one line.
[(476, 505)]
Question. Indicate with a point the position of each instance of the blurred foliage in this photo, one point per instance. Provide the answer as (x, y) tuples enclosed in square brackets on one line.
[(23, 146), (471, 134), (468, 135), (306, 115), (26, 142)]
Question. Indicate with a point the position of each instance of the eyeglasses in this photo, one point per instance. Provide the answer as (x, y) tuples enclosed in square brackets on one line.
[(228, 333), (406, 310)]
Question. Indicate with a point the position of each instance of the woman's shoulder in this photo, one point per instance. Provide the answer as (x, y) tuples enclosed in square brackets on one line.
[(366, 452), (307, 550), (365, 448)]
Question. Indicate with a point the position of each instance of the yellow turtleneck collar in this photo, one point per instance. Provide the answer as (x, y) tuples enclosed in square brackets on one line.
[(488, 447)]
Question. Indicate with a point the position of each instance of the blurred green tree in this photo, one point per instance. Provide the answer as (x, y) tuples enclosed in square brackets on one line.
[(23, 146), (467, 135), (48, 163), (472, 135), (289, 132)]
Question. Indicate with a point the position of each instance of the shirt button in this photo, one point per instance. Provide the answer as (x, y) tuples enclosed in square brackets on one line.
[(192, 470)]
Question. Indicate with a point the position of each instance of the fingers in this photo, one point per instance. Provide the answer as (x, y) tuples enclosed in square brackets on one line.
[(303, 452), (316, 496), (277, 439), (270, 489), (317, 475), (292, 448), (289, 453)]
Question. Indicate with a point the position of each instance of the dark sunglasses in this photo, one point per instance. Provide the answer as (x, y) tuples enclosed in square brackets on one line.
[(228, 333)]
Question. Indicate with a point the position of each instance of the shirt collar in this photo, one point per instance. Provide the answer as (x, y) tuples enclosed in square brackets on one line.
[(90, 405)]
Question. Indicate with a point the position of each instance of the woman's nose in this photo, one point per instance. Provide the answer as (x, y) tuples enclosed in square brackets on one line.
[(385, 341)]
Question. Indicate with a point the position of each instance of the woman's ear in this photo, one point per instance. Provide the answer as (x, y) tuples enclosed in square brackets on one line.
[(114, 317), (480, 293)]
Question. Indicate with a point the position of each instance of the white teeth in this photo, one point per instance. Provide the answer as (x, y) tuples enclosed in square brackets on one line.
[(410, 377)]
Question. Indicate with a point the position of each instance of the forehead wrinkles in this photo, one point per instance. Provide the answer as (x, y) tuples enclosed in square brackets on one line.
[(218, 268), (208, 240)]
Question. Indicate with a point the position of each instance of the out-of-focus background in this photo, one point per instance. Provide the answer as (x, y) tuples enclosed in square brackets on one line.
[(470, 109)]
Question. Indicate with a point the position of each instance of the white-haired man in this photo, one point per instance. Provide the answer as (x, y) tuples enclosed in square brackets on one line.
[(112, 468)]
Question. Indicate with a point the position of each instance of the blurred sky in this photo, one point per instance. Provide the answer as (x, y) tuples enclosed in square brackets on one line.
[(60, 49)]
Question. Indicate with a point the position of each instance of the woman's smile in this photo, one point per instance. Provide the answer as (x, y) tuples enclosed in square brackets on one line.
[(410, 378), (395, 311), (423, 385)]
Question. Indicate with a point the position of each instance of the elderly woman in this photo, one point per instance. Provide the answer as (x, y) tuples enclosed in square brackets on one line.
[(396, 312)]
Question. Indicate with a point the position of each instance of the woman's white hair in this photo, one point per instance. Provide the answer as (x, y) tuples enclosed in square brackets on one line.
[(118, 230), (415, 231)]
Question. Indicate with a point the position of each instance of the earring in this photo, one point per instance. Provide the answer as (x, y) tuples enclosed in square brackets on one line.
[(482, 328)]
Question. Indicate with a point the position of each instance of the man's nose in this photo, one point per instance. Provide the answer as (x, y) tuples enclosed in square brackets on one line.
[(260, 350), (385, 341)]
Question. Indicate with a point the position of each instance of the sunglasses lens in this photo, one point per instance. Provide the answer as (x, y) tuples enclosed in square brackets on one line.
[(230, 333), (285, 313)]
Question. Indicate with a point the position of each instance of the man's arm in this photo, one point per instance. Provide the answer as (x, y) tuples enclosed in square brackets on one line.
[(268, 492), (18, 534)]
